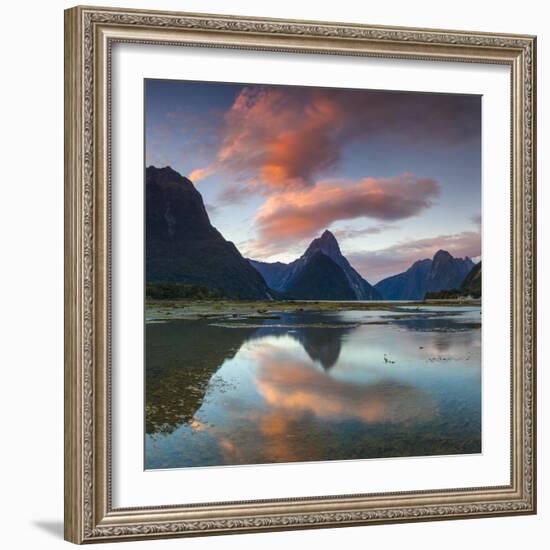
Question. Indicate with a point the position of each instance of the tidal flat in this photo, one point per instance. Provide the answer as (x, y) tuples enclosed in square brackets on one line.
[(162, 310), (236, 383)]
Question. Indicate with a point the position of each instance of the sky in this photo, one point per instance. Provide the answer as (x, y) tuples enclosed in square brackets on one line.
[(396, 176)]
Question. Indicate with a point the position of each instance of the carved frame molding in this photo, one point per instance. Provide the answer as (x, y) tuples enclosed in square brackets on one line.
[(89, 36)]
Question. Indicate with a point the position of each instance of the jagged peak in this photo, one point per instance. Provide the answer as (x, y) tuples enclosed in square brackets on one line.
[(442, 254), (327, 235), (163, 169), (168, 173), (327, 243), (419, 263)]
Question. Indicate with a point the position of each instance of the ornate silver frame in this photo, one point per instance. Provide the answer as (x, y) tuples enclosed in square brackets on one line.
[(89, 35)]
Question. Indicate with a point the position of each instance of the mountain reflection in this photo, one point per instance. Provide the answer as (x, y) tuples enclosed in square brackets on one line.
[(310, 387), (322, 344), (182, 358)]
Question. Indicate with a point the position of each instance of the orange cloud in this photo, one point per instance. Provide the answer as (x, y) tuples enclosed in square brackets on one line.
[(294, 387), (298, 399), (287, 137), (201, 173), (286, 144), (303, 212), (281, 137)]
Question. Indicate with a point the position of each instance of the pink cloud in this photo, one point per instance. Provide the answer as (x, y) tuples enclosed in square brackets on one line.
[(286, 142), (286, 138), (201, 173), (291, 385), (277, 138), (303, 213)]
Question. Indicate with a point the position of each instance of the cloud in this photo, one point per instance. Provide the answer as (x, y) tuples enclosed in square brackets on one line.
[(287, 384), (351, 233), (272, 252), (286, 144), (200, 173), (287, 137), (378, 264), (277, 135), (211, 208), (303, 213), (233, 194)]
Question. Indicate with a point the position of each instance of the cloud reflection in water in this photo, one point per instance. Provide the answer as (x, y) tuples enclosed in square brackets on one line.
[(315, 393)]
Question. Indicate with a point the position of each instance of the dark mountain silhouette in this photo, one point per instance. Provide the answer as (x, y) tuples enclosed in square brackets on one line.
[(472, 282), (410, 285), (320, 278), (282, 277), (470, 287), (447, 272), (322, 344), (273, 273), (182, 246), (440, 273)]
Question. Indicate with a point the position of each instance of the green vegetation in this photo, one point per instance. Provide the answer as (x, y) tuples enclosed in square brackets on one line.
[(454, 294), (472, 281), (180, 291), (470, 288)]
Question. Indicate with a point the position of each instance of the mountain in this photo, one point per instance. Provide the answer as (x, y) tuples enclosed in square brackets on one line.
[(320, 278), (282, 277), (447, 272), (322, 344), (472, 282), (442, 272), (410, 285), (470, 288), (182, 246), (273, 273)]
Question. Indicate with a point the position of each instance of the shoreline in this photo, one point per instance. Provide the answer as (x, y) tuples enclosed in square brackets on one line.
[(203, 309)]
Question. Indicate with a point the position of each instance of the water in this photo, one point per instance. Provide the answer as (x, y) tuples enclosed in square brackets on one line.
[(313, 386)]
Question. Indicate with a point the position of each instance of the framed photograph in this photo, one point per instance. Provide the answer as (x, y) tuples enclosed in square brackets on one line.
[(300, 274)]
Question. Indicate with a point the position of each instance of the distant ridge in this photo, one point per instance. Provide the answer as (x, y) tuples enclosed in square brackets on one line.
[(470, 288), (442, 272), (409, 285)]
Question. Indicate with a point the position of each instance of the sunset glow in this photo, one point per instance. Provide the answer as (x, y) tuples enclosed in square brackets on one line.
[(395, 175)]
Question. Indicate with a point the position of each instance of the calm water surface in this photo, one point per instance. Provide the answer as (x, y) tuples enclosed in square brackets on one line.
[(313, 386)]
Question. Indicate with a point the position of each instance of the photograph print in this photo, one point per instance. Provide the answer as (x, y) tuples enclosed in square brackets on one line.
[(312, 274)]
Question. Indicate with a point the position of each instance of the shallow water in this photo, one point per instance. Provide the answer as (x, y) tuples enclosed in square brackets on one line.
[(313, 386)]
